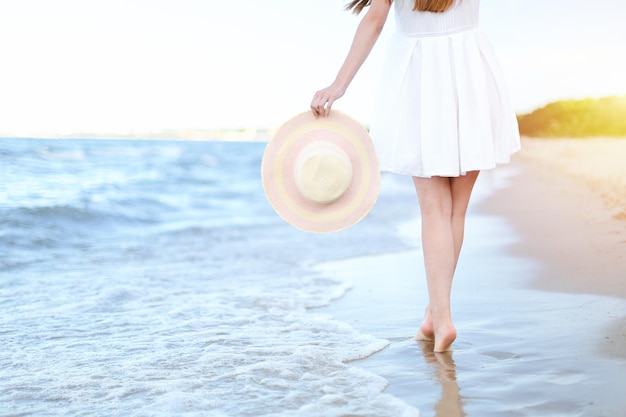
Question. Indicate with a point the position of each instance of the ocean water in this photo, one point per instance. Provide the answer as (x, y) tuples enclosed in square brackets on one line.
[(152, 278)]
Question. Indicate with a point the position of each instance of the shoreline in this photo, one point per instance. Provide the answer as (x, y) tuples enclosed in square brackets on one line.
[(565, 217), (538, 300)]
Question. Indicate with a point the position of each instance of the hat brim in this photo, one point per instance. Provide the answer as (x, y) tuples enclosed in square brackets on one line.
[(279, 179)]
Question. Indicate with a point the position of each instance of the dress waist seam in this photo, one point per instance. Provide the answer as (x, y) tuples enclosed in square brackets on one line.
[(436, 34)]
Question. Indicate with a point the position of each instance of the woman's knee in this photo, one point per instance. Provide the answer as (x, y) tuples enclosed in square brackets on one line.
[(437, 208), (461, 191), (435, 196)]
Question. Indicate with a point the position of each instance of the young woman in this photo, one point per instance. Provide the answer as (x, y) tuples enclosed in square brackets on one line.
[(441, 116)]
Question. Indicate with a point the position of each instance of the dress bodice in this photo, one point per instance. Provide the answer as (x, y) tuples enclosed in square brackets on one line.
[(461, 16)]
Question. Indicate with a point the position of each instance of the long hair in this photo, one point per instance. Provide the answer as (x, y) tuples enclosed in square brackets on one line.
[(436, 6)]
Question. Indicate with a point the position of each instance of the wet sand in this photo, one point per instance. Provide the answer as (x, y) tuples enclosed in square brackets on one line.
[(539, 298)]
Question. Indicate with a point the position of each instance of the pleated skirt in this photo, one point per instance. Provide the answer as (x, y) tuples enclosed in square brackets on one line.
[(443, 108)]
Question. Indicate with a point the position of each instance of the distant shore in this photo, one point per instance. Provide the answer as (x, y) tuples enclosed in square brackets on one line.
[(227, 135)]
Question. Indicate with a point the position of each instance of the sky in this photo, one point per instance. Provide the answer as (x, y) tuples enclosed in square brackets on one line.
[(124, 66)]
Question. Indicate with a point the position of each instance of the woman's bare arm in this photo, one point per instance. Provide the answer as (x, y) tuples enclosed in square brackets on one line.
[(366, 36)]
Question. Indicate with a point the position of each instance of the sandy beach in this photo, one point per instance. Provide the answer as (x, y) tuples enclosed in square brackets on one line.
[(569, 203), (539, 297)]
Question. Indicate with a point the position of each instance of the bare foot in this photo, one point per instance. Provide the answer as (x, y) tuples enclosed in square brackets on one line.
[(426, 332), (444, 336)]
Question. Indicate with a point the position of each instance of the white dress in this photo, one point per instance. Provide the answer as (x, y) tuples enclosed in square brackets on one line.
[(443, 108)]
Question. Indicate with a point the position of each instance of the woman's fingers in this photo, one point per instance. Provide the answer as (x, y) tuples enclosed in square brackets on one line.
[(321, 104), (327, 106), (315, 105), (323, 100)]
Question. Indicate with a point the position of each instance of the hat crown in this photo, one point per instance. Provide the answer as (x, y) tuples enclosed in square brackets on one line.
[(323, 173)]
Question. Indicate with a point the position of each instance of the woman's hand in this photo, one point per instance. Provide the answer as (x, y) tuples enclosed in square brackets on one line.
[(323, 100)]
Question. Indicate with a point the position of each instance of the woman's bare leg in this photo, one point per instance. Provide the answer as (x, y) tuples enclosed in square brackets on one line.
[(443, 204)]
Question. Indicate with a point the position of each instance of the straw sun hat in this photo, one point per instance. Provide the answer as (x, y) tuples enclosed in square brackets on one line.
[(321, 175)]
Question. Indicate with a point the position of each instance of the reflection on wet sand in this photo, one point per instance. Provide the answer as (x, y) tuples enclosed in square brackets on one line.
[(450, 403)]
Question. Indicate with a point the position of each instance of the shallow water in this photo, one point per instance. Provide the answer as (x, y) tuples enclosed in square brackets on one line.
[(152, 278), (519, 351)]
